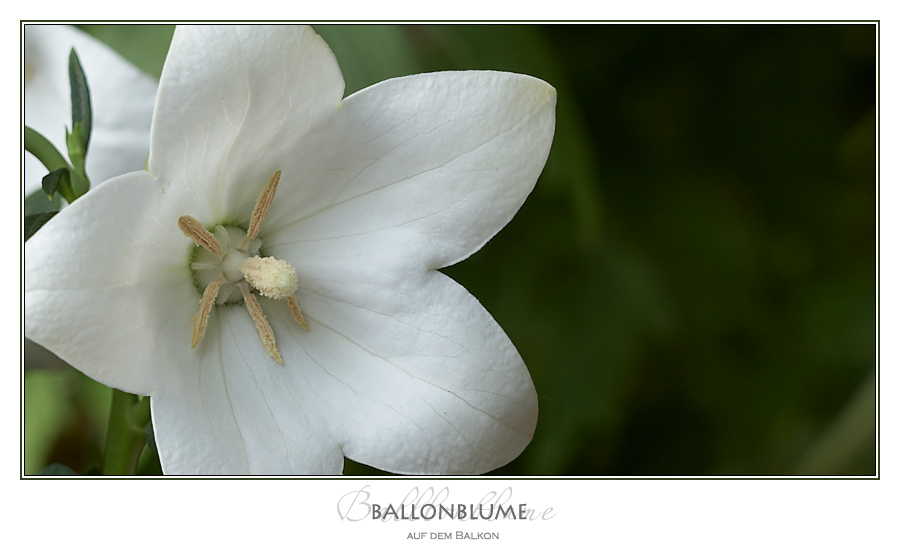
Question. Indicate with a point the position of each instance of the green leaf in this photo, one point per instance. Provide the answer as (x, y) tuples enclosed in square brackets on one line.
[(81, 101), (44, 151), (35, 222), (77, 141), (54, 180), (37, 202), (57, 469), (76, 145)]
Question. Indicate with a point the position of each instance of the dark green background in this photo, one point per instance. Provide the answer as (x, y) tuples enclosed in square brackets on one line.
[(693, 281)]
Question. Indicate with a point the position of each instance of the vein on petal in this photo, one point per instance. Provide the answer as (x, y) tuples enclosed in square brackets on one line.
[(523, 121), (447, 420), (414, 378), (414, 327), (240, 125), (224, 377), (338, 380), (265, 399)]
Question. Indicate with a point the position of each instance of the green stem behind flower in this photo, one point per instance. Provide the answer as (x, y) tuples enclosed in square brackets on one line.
[(125, 437), (52, 159)]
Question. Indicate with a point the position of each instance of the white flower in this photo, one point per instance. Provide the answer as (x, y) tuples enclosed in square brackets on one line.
[(122, 98), (400, 368)]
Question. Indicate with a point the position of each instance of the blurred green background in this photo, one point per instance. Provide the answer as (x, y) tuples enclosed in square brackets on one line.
[(693, 281)]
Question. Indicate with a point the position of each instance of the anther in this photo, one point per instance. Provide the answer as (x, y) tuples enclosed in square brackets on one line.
[(262, 324), (194, 230), (201, 319), (294, 306), (263, 202)]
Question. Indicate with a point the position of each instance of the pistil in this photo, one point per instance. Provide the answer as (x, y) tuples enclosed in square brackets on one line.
[(273, 278)]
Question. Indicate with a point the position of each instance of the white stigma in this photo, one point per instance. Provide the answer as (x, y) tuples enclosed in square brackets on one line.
[(273, 278)]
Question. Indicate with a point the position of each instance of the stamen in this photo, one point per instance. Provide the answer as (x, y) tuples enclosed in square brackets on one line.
[(262, 325), (261, 209), (241, 267), (194, 230), (204, 265), (223, 236), (295, 311), (201, 319)]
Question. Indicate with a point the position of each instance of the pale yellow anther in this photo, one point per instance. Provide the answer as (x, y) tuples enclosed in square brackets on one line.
[(193, 229), (273, 278), (201, 319), (294, 306), (262, 324), (263, 202)]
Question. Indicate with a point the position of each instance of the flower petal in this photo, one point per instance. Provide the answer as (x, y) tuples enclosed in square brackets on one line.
[(402, 369), (410, 175), (103, 289), (232, 103), (122, 98), (419, 378), (235, 411), (447, 156)]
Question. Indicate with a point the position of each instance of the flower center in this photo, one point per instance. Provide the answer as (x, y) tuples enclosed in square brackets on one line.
[(226, 265), (209, 266)]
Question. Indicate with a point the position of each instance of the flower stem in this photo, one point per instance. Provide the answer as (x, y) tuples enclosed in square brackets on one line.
[(52, 159), (125, 439)]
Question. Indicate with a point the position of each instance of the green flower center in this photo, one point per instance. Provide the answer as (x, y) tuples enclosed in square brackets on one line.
[(207, 266)]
